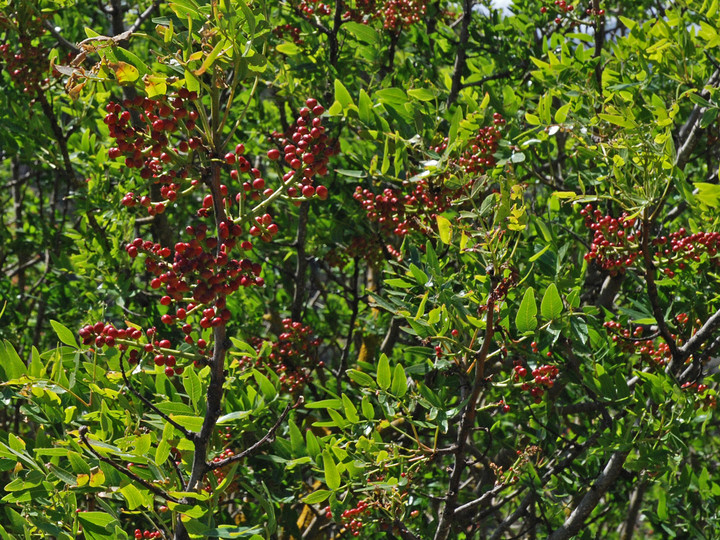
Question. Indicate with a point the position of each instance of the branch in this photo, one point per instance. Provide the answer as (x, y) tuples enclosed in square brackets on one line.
[(144, 16), (688, 133), (127, 472), (702, 335), (635, 503), (512, 518), (494, 77), (607, 478), (301, 265), (61, 40), (466, 423), (652, 292), (486, 498), (403, 531), (255, 447), (188, 434), (461, 53), (351, 329)]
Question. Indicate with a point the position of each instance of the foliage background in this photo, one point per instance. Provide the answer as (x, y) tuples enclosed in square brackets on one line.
[(508, 366)]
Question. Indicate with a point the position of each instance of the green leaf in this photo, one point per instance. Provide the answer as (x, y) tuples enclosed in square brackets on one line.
[(362, 32), (561, 113), (332, 476), (367, 408), (384, 376), (455, 125), (193, 386), (708, 194), (364, 107), (526, 320), (317, 496), (618, 120), (98, 519), (125, 73), (266, 387), (155, 85), (312, 444), (444, 229), (420, 276), (10, 361), (325, 404), (363, 379), (64, 334), (193, 423), (421, 94), (399, 381), (288, 48), (532, 119), (133, 59), (350, 410), (551, 306), (342, 95), (297, 444), (133, 496), (162, 452)]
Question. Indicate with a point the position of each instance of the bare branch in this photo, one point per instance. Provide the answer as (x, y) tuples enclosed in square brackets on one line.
[(590, 500)]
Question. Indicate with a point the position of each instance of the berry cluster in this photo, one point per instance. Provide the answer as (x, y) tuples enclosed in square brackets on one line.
[(146, 146), (225, 434), (106, 335), (679, 248), (202, 267), (290, 30), (139, 534), (479, 154), (648, 349), (398, 212), (543, 377), (313, 7), (292, 356), (306, 149), (708, 400), (614, 244), (198, 268), (368, 248), (351, 517), (24, 59), (394, 14), (218, 473)]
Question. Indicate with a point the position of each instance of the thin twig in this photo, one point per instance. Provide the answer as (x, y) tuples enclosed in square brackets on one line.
[(255, 447), (127, 472), (190, 435), (351, 329), (145, 15)]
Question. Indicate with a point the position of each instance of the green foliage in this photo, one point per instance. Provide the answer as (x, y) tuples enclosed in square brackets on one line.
[(502, 290)]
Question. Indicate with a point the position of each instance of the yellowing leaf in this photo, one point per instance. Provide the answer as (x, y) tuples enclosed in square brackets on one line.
[(155, 85), (445, 229), (97, 479), (125, 73)]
